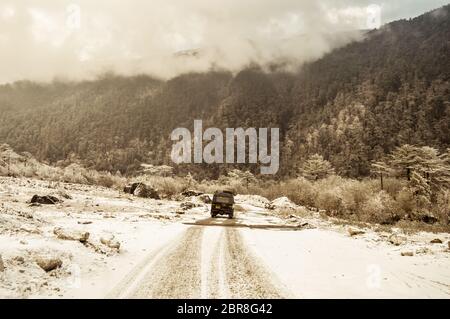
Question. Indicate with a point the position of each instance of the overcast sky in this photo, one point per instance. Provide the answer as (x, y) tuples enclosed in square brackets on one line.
[(41, 40)]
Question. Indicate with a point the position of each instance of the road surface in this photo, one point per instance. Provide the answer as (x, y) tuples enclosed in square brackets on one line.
[(249, 257), (204, 262)]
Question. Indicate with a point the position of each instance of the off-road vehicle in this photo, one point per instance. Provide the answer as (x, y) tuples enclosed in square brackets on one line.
[(222, 204)]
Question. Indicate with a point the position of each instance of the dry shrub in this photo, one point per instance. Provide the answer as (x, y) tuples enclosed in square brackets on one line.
[(272, 191), (393, 186), (379, 208), (254, 189), (105, 181), (208, 187), (329, 195), (168, 186), (236, 187), (300, 191), (355, 194), (332, 181), (443, 206), (330, 200), (74, 173), (78, 174), (405, 202)]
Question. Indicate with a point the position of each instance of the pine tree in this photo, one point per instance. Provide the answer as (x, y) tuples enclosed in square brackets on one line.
[(434, 168), (421, 189), (245, 178), (427, 172), (381, 169), (404, 158), (316, 168), (190, 180)]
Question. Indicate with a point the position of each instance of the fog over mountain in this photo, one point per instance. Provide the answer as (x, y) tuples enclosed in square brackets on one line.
[(43, 40)]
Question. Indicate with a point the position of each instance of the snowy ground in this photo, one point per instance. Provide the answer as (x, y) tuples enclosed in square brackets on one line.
[(166, 252)]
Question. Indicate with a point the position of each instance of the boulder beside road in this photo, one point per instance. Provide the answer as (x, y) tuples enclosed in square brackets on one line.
[(407, 253), (142, 190), (191, 192), (397, 239), (281, 203), (45, 200), (205, 198), (48, 263), (74, 235), (188, 205), (353, 231), (110, 242)]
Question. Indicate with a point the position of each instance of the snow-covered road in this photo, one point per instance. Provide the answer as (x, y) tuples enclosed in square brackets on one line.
[(241, 258), (167, 252), (204, 262)]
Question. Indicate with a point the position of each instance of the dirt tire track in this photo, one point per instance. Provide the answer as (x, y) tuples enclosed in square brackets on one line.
[(246, 276), (175, 271), (217, 281), (131, 280), (177, 274)]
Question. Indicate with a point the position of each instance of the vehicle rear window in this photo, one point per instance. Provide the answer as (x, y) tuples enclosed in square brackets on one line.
[(223, 199)]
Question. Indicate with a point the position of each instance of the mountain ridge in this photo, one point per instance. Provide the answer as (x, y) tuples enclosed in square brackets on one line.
[(353, 106)]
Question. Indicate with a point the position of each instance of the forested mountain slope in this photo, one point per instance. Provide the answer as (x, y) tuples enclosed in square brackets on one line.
[(352, 106)]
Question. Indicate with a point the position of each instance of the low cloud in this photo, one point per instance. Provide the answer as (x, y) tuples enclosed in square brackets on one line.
[(41, 40)]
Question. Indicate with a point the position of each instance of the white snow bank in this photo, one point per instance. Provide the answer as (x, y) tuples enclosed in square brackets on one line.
[(253, 200), (325, 264), (283, 203)]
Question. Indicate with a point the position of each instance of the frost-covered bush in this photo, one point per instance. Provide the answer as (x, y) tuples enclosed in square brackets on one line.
[(379, 208), (393, 186), (330, 200), (354, 195), (168, 186), (299, 190), (405, 200), (443, 206), (74, 173)]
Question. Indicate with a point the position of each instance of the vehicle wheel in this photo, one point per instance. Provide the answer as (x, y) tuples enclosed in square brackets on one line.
[(230, 216)]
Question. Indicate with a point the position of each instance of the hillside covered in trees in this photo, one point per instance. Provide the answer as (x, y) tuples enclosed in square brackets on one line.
[(353, 106)]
